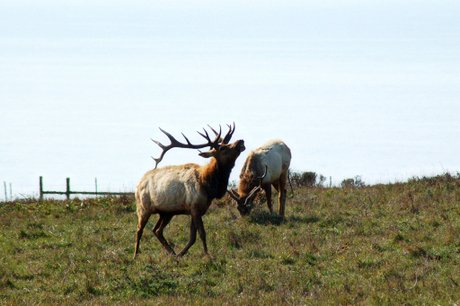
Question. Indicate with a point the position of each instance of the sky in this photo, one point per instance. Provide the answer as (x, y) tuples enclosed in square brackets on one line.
[(369, 88)]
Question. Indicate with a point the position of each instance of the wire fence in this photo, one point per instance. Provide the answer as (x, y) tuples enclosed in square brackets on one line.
[(68, 192)]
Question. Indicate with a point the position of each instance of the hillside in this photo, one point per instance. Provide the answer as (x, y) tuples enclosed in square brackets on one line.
[(384, 244)]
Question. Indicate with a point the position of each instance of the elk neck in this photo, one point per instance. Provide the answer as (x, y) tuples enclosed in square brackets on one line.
[(214, 178), (248, 174), (245, 186)]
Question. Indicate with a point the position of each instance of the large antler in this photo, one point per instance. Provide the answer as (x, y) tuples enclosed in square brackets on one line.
[(231, 130), (177, 144)]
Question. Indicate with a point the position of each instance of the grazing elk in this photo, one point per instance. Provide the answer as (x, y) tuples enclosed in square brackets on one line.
[(265, 166), (186, 189)]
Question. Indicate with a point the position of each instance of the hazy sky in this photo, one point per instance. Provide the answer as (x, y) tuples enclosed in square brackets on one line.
[(368, 88)]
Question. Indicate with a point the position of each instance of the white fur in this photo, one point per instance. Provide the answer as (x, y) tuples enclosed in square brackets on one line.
[(170, 189), (276, 156)]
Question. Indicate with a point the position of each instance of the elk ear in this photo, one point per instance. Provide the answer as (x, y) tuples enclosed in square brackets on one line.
[(206, 154)]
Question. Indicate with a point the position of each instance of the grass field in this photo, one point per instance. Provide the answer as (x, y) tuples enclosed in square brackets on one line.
[(385, 244)]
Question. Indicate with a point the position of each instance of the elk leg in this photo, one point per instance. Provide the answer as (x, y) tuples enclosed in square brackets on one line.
[(157, 225), (282, 193), (268, 195), (276, 185), (202, 232), (158, 231), (282, 201), (191, 240), (142, 221)]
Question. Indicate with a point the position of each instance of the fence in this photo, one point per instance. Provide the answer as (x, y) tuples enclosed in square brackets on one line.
[(69, 192)]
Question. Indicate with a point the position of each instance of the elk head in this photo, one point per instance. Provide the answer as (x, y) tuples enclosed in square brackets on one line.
[(245, 202), (224, 153)]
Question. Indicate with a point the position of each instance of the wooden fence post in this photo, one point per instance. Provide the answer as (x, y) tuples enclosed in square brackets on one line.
[(41, 188), (95, 183), (6, 193), (67, 192)]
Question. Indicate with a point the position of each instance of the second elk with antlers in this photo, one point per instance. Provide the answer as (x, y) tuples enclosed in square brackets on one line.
[(186, 189), (265, 166)]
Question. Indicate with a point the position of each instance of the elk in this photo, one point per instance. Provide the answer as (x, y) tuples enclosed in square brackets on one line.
[(265, 166), (185, 189)]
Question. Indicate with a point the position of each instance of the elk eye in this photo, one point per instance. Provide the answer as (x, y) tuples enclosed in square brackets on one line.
[(223, 148)]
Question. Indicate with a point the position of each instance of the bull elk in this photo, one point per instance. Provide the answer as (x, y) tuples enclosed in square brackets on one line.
[(265, 166), (186, 189)]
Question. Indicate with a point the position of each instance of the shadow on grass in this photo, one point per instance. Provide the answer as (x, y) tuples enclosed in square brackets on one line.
[(266, 218), (303, 219)]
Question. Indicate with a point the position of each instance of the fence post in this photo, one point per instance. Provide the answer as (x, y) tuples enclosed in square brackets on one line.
[(6, 194), (67, 191), (41, 188)]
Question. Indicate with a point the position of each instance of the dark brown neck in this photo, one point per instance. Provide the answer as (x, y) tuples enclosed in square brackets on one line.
[(214, 178)]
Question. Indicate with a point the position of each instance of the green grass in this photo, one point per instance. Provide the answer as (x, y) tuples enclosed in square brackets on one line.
[(385, 244)]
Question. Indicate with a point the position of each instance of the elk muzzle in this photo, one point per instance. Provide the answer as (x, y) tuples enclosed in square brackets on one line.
[(244, 208), (240, 145)]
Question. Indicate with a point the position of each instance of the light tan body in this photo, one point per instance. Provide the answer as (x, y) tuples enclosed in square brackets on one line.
[(273, 158), (275, 155), (171, 189)]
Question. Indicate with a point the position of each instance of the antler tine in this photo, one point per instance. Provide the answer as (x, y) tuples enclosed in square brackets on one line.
[(163, 147), (217, 140), (158, 160), (229, 134), (186, 139), (253, 191), (263, 175), (205, 135), (258, 187), (158, 143), (218, 136), (174, 141), (233, 194), (215, 132)]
